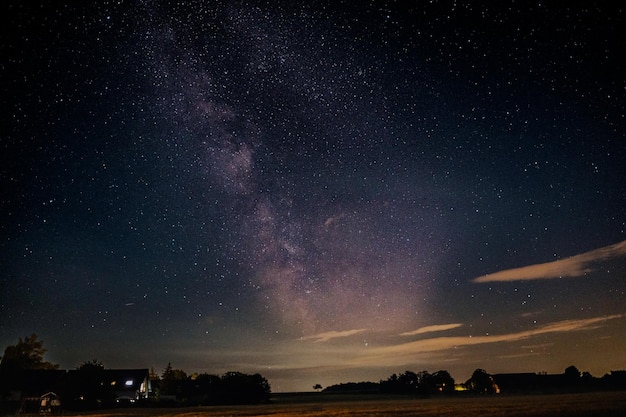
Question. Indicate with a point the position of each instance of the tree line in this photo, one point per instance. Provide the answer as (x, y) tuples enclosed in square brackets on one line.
[(174, 386), (421, 383), (481, 382), (85, 388)]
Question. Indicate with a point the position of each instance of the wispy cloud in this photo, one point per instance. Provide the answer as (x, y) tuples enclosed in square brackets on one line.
[(539, 346), (326, 336), (433, 328), (400, 352), (573, 266), (518, 355), (313, 358)]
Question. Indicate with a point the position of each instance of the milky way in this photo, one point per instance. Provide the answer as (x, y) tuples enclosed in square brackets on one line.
[(317, 192), (310, 265)]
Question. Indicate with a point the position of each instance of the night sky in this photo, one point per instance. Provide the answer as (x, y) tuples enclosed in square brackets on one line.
[(320, 192)]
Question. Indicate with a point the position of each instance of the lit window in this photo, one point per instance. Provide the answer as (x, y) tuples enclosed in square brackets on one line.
[(128, 383)]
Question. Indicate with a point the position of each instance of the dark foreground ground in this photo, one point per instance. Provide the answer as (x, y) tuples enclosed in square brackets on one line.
[(600, 404)]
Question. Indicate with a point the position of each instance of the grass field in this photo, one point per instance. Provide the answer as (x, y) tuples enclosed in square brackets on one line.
[(605, 404)]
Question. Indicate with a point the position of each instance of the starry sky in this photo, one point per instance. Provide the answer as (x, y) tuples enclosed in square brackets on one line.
[(320, 192)]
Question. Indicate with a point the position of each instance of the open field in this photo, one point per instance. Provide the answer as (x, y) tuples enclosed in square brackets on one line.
[(605, 404)]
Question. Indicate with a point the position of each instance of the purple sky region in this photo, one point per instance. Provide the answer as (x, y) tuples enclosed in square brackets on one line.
[(320, 192)]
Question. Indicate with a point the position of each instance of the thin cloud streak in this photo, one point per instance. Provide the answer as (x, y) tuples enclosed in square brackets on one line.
[(315, 357), (519, 355), (326, 336), (398, 353), (433, 328), (573, 266)]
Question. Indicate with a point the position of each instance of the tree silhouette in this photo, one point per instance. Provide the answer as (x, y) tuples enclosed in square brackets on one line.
[(84, 388), (441, 381), (25, 354), (572, 373), (93, 364), (172, 381), (482, 382), (239, 388), (405, 383), (317, 387)]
